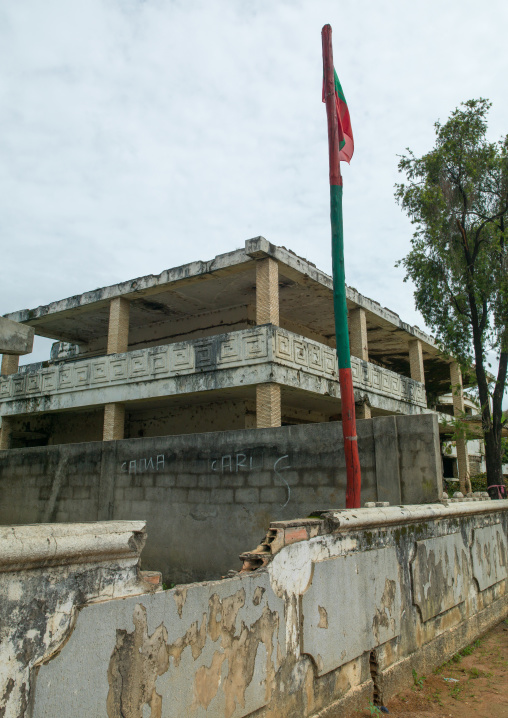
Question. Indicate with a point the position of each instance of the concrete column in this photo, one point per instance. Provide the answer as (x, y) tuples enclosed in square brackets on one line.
[(268, 406), (10, 363), (460, 443), (362, 411), (358, 334), (457, 393), (416, 361), (118, 342), (114, 420), (5, 433), (118, 330), (267, 291)]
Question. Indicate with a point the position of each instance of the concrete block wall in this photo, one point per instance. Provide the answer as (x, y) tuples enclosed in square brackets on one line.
[(208, 497), (398, 589)]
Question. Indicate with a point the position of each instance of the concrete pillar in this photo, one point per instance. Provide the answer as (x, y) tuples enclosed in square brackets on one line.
[(268, 406), (5, 433), (416, 360), (267, 291), (114, 420), (268, 401), (358, 334), (460, 443), (118, 342), (118, 330), (10, 363), (362, 411)]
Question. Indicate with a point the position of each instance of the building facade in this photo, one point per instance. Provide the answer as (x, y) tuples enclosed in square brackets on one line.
[(244, 340)]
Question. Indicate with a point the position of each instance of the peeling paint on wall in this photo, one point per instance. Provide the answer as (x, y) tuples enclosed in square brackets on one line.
[(46, 573), (332, 620), (440, 574), (135, 663), (490, 556)]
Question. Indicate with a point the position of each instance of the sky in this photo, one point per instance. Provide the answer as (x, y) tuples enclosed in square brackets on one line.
[(141, 135)]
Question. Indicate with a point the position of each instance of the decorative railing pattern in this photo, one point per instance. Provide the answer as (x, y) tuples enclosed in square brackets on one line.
[(257, 345), (301, 353)]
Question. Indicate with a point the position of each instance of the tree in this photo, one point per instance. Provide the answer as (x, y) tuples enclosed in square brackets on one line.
[(457, 197)]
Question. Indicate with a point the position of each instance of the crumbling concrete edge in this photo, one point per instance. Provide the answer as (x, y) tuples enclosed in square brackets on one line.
[(49, 572), (333, 521)]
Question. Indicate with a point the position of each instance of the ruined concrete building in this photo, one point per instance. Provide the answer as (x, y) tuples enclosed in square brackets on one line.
[(244, 340)]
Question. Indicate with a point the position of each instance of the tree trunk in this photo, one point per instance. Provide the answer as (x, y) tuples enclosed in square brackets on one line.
[(493, 456), (491, 421)]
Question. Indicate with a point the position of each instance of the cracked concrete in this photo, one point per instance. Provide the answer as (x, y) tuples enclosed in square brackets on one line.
[(332, 620)]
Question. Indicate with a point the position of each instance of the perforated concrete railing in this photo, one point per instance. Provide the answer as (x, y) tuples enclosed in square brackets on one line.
[(246, 348)]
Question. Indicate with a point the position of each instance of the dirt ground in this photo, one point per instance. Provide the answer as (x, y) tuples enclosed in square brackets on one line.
[(479, 688)]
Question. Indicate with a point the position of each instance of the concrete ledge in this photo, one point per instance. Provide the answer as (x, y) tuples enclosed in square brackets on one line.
[(345, 520), (40, 545), (15, 338), (284, 533)]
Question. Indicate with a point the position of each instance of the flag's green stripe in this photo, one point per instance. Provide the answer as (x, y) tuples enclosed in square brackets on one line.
[(338, 89), (341, 144), (339, 278)]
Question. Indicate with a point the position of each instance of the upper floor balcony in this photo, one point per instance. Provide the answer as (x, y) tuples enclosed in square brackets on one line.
[(246, 358)]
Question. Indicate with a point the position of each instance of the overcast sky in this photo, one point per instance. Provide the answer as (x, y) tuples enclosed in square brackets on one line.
[(137, 136)]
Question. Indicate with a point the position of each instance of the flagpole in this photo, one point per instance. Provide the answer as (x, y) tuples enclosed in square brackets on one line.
[(353, 488)]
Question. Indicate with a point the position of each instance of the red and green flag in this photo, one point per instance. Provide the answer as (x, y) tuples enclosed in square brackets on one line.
[(346, 141)]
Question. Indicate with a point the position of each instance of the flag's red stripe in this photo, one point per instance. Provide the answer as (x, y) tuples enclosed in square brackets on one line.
[(347, 145)]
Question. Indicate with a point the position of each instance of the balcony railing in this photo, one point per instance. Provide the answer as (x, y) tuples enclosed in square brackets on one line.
[(247, 348)]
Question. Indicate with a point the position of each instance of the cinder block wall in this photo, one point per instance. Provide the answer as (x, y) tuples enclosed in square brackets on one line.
[(208, 497)]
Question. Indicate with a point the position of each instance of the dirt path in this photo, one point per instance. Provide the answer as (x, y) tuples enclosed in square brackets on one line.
[(478, 689)]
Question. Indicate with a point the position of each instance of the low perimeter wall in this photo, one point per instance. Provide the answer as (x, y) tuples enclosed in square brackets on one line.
[(344, 609), (207, 497)]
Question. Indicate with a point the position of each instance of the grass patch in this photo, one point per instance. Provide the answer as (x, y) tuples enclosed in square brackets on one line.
[(468, 650), (455, 692), (418, 680)]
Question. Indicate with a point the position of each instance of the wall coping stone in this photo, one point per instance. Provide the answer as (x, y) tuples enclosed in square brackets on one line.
[(35, 546), (344, 520), (283, 533)]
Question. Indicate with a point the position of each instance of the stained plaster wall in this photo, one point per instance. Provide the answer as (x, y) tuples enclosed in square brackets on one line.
[(47, 572), (196, 418), (207, 497), (58, 428), (347, 607)]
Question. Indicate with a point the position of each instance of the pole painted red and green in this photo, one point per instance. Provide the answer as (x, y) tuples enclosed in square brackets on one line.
[(340, 148)]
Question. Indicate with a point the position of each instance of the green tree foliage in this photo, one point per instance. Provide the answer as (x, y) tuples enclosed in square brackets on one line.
[(456, 195)]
